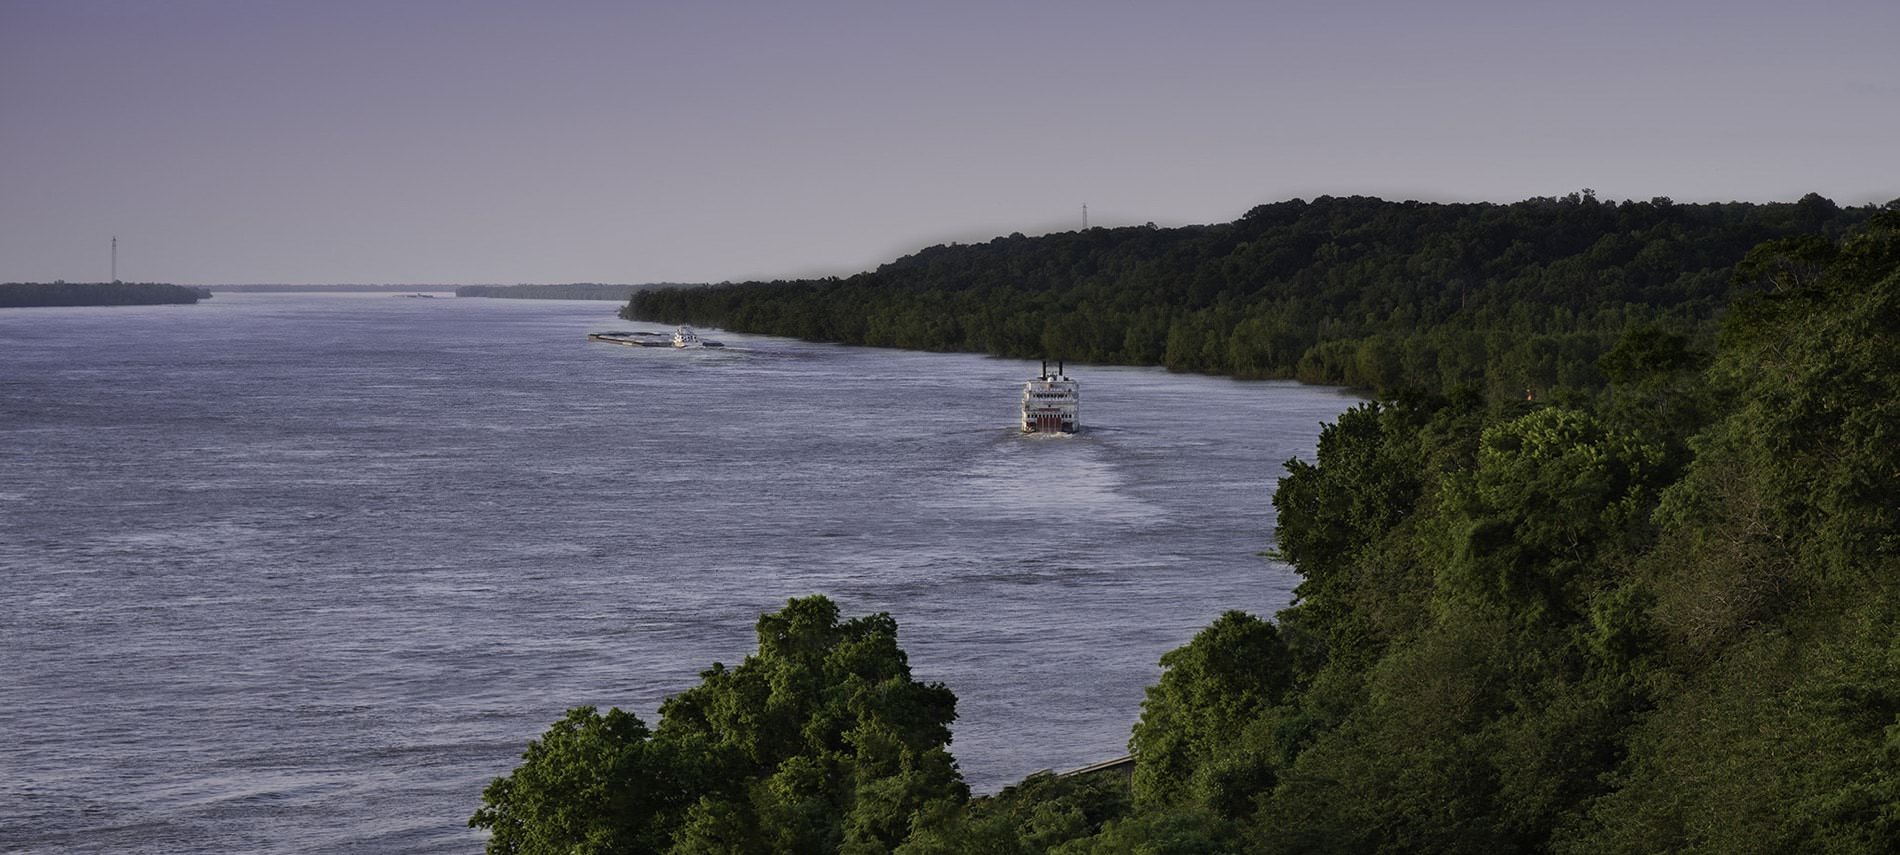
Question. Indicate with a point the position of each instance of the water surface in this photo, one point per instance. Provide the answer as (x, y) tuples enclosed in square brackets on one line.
[(301, 573)]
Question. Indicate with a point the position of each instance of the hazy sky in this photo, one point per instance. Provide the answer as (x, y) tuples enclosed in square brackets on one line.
[(443, 141)]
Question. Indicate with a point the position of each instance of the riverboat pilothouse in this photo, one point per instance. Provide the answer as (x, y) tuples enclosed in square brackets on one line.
[(1050, 402)]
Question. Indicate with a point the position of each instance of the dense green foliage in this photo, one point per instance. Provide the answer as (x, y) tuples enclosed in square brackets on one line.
[(1657, 612), (1662, 618), (1355, 291), (820, 742), (26, 294), (1041, 812), (565, 291)]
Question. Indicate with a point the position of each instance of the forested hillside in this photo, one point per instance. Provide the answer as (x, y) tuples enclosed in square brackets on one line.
[(1355, 291), (1663, 618), (1666, 618), (1660, 615)]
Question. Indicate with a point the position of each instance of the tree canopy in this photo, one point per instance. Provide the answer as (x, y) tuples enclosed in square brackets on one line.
[(819, 742), (1579, 627), (1391, 296)]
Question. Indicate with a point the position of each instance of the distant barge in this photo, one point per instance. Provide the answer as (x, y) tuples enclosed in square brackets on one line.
[(682, 337)]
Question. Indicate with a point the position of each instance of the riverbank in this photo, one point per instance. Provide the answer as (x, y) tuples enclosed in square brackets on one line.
[(25, 295), (568, 291)]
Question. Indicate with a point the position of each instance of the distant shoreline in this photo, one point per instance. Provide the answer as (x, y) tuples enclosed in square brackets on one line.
[(343, 288), (616, 292), (32, 295), (571, 291)]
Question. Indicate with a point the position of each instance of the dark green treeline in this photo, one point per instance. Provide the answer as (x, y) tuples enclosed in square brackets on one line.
[(27, 294), (1354, 291)]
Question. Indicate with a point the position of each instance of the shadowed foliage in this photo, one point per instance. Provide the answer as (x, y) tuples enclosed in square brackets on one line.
[(1390, 296), (820, 742)]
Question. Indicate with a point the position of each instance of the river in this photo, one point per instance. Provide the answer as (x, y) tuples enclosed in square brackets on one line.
[(303, 572)]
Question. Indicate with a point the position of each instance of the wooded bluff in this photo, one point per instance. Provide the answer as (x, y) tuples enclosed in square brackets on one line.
[(1659, 611), (1346, 291)]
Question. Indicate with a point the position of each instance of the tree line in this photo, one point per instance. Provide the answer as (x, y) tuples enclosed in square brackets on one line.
[(62, 293), (1351, 291)]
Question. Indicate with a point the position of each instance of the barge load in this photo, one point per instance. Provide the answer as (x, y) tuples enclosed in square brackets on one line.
[(1051, 402), (682, 337)]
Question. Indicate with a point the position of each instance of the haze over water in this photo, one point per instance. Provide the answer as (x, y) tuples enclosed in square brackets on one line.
[(303, 572)]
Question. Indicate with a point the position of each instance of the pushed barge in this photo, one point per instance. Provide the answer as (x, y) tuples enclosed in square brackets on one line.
[(682, 337), (632, 339), (1051, 402)]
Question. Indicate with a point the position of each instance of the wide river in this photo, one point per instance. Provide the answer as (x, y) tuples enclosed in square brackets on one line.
[(303, 572)]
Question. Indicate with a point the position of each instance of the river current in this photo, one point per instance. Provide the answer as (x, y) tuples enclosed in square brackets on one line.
[(303, 572)]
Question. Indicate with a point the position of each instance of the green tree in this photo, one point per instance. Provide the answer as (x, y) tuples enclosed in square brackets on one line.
[(1189, 744), (1037, 815), (1553, 491), (589, 785), (820, 742)]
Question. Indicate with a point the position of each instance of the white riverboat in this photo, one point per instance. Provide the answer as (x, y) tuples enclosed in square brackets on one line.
[(685, 337), (1051, 402)]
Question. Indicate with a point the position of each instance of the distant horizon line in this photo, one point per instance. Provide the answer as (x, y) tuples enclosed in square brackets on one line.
[(1870, 201)]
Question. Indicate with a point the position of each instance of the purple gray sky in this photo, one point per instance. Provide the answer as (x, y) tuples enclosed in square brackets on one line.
[(446, 141)]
